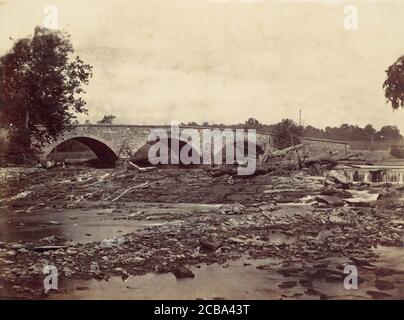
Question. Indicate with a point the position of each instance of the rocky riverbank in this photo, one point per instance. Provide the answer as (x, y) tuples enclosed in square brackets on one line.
[(298, 218)]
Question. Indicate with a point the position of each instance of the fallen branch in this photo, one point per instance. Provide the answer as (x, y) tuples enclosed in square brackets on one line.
[(282, 153), (140, 169), (328, 157), (130, 189)]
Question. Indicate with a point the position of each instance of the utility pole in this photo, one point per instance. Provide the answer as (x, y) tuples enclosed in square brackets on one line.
[(300, 117)]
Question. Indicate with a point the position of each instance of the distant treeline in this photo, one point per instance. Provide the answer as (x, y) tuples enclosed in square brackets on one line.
[(348, 132), (345, 132)]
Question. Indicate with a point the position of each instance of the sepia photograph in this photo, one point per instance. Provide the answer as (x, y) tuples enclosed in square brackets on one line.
[(201, 150)]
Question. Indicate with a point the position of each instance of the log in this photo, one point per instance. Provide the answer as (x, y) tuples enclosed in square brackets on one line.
[(130, 189), (140, 169), (328, 157), (283, 152)]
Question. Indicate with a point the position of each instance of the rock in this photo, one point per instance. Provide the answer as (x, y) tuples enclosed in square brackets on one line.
[(268, 207), (234, 208), (17, 246), (306, 283), (287, 284), (339, 178), (67, 272), (49, 164), (378, 294), (182, 272), (330, 201), (138, 259), (359, 204), (336, 220), (79, 288), (34, 270), (312, 292), (94, 268), (383, 285), (112, 242), (360, 262), (331, 191), (53, 223), (10, 253), (30, 209), (48, 248), (49, 239), (387, 193), (209, 244), (237, 240)]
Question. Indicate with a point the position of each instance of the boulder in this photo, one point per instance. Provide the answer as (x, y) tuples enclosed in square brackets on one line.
[(339, 178), (391, 193), (330, 201), (331, 191), (182, 272), (209, 244)]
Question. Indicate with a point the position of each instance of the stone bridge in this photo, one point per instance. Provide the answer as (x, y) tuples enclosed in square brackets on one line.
[(112, 142)]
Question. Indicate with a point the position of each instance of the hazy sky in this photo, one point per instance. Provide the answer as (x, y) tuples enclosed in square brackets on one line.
[(224, 61)]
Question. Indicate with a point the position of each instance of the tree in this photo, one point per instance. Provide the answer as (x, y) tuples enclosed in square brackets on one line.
[(394, 84), (253, 123), (41, 84), (391, 133), (369, 132), (287, 133), (108, 119)]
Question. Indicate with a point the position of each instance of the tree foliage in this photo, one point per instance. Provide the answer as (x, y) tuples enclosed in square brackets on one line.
[(287, 133), (394, 84), (41, 85), (107, 119), (253, 123), (347, 132)]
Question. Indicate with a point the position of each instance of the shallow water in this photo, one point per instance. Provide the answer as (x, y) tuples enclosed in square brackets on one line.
[(87, 225), (239, 279)]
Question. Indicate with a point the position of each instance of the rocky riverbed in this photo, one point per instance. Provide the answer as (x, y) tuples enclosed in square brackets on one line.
[(185, 223)]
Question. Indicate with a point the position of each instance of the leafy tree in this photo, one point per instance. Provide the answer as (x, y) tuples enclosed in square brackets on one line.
[(369, 132), (287, 133), (313, 132), (253, 123), (391, 133), (394, 84), (40, 86), (108, 119), (192, 124)]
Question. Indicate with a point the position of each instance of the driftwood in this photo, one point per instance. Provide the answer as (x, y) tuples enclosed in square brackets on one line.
[(48, 248), (282, 153), (328, 158), (130, 189), (278, 160), (140, 169)]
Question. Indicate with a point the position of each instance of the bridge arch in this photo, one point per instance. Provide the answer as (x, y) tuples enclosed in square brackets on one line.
[(141, 155), (244, 145), (101, 149)]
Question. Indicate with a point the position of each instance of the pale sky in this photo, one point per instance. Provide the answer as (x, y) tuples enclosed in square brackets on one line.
[(222, 61)]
